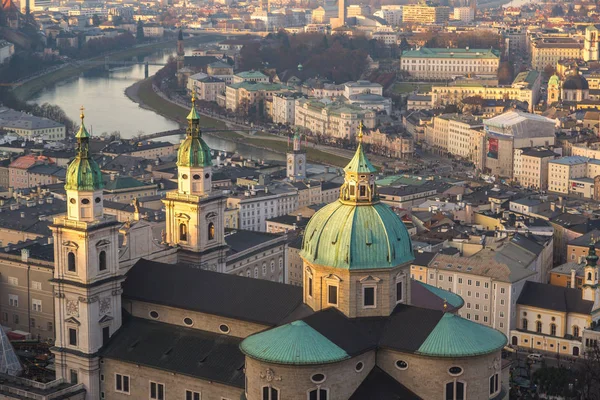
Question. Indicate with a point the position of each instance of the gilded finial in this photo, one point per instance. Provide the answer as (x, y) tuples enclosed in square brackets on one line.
[(360, 132), (82, 116), (445, 305), (193, 99)]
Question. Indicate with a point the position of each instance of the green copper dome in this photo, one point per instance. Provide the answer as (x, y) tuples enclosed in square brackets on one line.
[(296, 343), (349, 236), (357, 231), (194, 152), (454, 336), (554, 80), (83, 173)]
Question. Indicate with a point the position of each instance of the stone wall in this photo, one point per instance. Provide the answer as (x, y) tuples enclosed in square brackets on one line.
[(294, 382), (175, 384), (476, 372), (202, 321)]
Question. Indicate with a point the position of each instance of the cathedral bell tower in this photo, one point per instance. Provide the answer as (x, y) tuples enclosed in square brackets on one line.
[(296, 160), (87, 282), (194, 212)]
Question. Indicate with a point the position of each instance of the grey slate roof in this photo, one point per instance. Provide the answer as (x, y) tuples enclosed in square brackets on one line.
[(242, 240), (232, 296), (555, 298), (178, 349), (378, 385)]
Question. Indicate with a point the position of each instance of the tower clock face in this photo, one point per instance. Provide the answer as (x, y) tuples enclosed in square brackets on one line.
[(290, 161), (300, 161)]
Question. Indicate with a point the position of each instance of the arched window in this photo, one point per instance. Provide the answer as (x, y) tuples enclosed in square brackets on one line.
[(538, 326), (575, 351), (524, 324), (589, 276), (455, 391), (515, 341), (211, 231), (318, 394), (553, 329), (182, 232), (576, 331), (102, 261), (71, 262), (270, 393)]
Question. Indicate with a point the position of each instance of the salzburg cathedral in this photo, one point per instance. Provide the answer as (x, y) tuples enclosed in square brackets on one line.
[(140, 319)]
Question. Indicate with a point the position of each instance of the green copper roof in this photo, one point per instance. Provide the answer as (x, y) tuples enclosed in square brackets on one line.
[(83, 173), (454, 336), (451, 298), (360, 163), (349, 236), (194, 152), (553, 80), (296, 343), (82, 132), (193, 115)]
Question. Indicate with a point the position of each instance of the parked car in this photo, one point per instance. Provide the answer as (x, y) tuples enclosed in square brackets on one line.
[(535, 357)]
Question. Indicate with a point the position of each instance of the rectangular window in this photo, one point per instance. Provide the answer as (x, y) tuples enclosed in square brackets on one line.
[(13, 281), (105, 335), (74, 377), (502, 290), (15, 318), (310, 286), (73, 336), (36, 285), (157, 391), (36, 305), (332, 297), (122, 383), (369, 296), (190, 395), (398, 292), (13, 300)]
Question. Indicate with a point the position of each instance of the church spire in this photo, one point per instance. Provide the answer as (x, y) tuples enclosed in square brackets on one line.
[(297, 140), (83, 173), (359, 181)]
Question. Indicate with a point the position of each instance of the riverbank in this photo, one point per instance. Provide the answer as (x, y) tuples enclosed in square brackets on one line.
[(143, 93), (28, 89)]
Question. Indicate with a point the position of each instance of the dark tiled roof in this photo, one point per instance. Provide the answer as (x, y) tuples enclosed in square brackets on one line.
[(209, 292), (421, 320), (557, 298), (187, 351), (242, 240), (37, 250), (378, 385), (342, 331), (422, 258)]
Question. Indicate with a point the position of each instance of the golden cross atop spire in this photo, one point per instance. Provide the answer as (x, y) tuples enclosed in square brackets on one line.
[(360, 132), (193, 99), (82, 116)]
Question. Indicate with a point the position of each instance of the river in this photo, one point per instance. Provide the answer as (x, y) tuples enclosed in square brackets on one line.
[(108, 109)]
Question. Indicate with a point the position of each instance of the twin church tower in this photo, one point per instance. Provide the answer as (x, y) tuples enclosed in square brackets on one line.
[(87, 279)]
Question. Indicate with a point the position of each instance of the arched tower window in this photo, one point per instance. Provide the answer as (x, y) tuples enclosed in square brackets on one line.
[(575, 331), (211, 231), (182, 232), (589, 276), (553, 329), (102, 261), (524, 324), (538, 326), (71, 262)]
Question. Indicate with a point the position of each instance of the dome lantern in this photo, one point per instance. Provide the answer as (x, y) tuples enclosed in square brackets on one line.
[(83, 173)]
